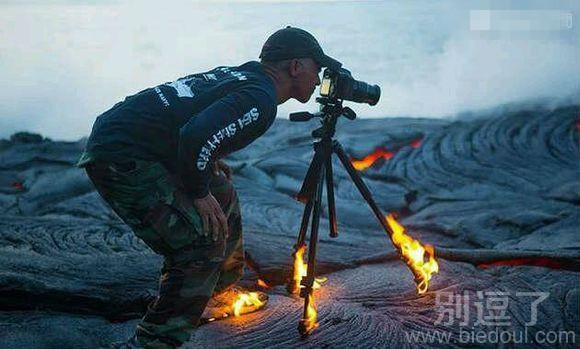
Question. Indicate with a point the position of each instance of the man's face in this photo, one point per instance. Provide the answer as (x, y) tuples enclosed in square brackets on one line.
[(306, 79)]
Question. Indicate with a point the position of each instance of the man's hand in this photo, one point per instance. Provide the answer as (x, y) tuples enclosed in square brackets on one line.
[(221, 166), (211, 212)]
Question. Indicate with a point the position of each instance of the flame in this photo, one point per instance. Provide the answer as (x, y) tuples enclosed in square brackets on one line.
[(245, 299), (310, 322), (414, 255), (300, 268), (379, 153), (300, 271)]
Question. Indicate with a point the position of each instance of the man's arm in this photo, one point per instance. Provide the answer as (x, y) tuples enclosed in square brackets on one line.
[(228, 124)]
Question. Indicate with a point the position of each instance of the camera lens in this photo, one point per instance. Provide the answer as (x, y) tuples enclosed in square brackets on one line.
[(365, 93)]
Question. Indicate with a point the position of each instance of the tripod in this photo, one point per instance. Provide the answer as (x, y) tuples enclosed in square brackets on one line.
[(319, 172)]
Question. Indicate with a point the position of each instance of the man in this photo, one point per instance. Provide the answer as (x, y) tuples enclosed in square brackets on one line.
[(154, 158)]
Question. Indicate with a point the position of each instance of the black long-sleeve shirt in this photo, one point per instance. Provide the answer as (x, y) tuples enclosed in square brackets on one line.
[(188, 123)]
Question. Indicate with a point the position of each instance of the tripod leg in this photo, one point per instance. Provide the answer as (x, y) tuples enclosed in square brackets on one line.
[(312, 245), (308, 322), (293, 285), (307, 194), (304, 224), (361, 186), (321, 152), (330, 199)]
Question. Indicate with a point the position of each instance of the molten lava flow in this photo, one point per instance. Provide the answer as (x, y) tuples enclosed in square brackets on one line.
[(370, 159), (379, 153), (536, 261), (245, 299), (416, 143), (18, 185), (414, 255)]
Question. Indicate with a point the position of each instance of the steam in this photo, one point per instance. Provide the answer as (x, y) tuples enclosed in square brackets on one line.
[(473, 74)]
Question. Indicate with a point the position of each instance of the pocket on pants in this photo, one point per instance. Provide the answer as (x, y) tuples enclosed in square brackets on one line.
[(174, 228)]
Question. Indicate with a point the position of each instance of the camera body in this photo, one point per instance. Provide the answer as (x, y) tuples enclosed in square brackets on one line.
[(339, 84)]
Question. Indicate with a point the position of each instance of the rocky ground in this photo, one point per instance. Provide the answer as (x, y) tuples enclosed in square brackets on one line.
[(497, 194)]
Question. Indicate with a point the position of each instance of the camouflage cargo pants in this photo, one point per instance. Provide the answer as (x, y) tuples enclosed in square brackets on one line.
[(151, 201)]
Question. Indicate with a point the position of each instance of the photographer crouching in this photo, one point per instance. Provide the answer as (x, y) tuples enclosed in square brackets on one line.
[(155, 159)]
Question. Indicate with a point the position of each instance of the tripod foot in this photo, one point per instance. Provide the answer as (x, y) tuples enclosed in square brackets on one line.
[(305, 328)]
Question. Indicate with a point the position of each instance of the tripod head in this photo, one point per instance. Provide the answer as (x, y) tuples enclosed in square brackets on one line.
[(330, 110)]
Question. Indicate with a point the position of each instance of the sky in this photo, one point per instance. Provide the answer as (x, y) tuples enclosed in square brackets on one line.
[(65, 62)]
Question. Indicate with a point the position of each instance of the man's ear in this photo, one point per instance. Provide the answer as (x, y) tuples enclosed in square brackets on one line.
[(293, 67)]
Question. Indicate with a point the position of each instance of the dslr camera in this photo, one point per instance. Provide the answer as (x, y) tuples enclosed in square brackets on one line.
[(339, 84)]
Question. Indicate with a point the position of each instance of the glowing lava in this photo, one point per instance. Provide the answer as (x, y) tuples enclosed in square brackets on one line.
[(414, 255), (18, 185), (416, 143), (379, 153), (545, 262), (370, 159)]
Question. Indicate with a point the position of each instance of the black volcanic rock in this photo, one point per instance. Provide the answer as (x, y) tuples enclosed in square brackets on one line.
[(497, 196)]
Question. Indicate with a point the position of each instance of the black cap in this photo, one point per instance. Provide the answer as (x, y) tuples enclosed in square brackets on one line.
[(292, 42)]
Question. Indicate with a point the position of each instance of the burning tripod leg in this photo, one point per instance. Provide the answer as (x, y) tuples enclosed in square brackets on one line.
[(411, 251), (320, 169), (307, 195), (298, 267), (308, 322), (304, 281)]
